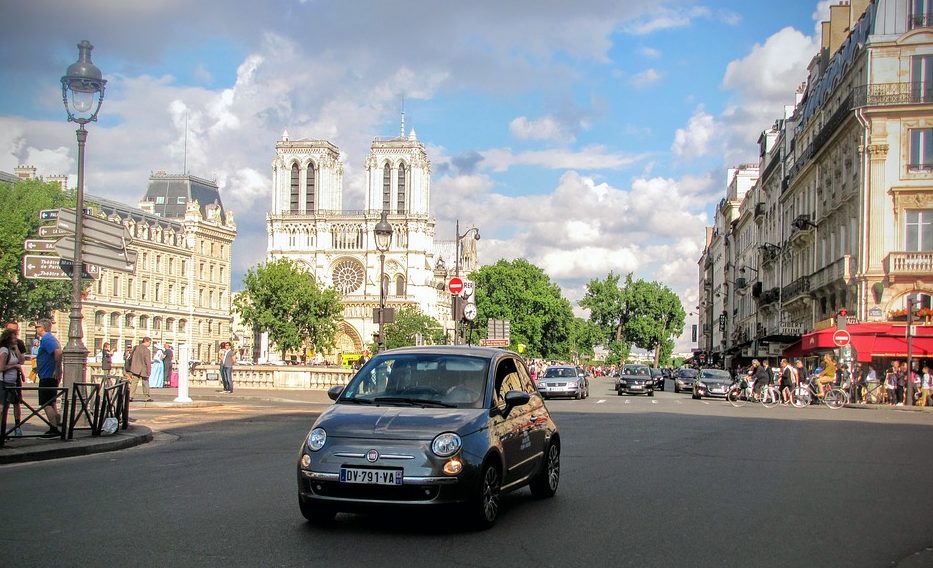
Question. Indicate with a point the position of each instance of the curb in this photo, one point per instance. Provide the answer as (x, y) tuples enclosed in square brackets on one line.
[(133, 436), (882, 407)]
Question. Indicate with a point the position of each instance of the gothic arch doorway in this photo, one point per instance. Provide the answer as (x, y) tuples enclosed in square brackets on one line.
[(346, 341)]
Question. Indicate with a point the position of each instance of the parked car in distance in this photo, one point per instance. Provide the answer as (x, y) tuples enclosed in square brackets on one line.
[(683, 379), (712, 383), (635, 379), (658, 378), (420, 427), (564, 380)]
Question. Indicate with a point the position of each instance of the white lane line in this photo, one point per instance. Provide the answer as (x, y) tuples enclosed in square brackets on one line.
[(627, 401), (600, 401), (654, 402)]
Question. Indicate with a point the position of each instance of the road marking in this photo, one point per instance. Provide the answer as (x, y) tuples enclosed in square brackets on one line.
[(654, 402), (600, 401), (627, 401)]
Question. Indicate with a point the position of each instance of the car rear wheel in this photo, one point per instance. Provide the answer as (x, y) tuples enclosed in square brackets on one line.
[(484, 508), (545, 483), (316, 513)]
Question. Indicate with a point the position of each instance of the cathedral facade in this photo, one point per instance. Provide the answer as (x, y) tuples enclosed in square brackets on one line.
[(308, 225)]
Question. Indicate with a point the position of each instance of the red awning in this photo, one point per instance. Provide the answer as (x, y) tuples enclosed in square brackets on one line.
[(869, 340)]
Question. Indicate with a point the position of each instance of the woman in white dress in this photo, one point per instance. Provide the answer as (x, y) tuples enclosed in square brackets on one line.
[(156, 375)]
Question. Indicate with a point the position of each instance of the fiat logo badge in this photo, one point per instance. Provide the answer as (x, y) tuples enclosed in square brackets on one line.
[(372, 455)]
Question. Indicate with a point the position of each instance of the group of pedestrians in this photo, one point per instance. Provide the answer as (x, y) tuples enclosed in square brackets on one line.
[(145, 364), (47, 354)]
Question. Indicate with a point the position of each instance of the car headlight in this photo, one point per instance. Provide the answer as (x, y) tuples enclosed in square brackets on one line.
[(316, 439), (572, 384), (701, 384), (446, 444), (622, 382)]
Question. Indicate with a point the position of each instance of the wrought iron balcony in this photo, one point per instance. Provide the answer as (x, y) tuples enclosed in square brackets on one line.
[(886, 94), (769, 296), (798, 287), (838, 270)]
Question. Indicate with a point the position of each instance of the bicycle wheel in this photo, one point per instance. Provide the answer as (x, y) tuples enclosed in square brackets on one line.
[(800, 397), (769, 396), (736, 398), (836, 398)]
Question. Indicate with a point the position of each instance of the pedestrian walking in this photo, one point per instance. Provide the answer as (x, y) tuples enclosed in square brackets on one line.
[(167, 362), (11, 359), (106, 359), (226, 367), (140, 367), (156, 374), (787, 381), (49, 370), (926, 384)]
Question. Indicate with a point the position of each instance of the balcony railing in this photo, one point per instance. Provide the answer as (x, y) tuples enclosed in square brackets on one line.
[(829, 128), (769, 296), (838, 270), (910, 263), (796, 288), (920, 21), (885, 94)]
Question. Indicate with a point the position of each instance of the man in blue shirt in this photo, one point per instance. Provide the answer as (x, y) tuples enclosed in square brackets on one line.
[(49, 369)]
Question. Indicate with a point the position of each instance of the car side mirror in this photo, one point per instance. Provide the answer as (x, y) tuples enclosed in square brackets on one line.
[(334, 392), (515, 398)]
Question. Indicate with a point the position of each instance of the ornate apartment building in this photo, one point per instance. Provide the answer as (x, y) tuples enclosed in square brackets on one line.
[(179, 292), (840, 219), (307, 224)]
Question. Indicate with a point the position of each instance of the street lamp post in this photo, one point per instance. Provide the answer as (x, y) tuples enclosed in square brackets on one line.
[(383, 232), (475, 231), (81, 83)]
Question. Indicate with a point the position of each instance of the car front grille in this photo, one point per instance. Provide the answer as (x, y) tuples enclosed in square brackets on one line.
[(402, 493)]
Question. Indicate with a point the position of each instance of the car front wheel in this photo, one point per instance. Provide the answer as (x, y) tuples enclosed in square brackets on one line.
[(484, 509), (316, 513), (545, 483)]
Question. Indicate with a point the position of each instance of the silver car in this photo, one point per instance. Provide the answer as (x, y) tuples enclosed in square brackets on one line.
[(564, 380)]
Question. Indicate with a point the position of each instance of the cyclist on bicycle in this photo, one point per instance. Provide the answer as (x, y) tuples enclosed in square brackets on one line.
[(761, 376), (827, 376)]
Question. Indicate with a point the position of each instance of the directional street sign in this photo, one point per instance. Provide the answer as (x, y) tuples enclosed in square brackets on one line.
[(93, 253), (49, 268), (468, 288), (48, 214), (89, 272), (96, 229), (52, 231), (38, 245)]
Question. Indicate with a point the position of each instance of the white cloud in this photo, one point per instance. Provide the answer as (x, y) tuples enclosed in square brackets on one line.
[(771, 69), (646, 78), (695, 139), (664, 18), (650, 52), (589, 158), (544, 128)]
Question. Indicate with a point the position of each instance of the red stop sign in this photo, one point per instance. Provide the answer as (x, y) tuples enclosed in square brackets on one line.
[(455, 285), (842, 338)]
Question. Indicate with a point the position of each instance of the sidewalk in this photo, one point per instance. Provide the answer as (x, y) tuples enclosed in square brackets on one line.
[(28, 449)]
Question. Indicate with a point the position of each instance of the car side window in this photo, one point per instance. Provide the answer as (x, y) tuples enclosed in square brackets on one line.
[(507, 379), (528, 385)]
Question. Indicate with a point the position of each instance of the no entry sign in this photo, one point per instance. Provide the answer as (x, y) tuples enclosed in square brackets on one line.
[(455, 285), (842, 338)]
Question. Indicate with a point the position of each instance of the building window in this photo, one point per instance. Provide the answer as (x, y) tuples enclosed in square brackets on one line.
[(309, 190), (921, 78), (386, 188), (400, 286), (144, 290), (160, 200), (99, 319), (169, 324), (115, 320), (921, 150), (180, 200), (158, 291), (921, 14), (181, 325), (401, 188), (295, 189), (919, 234), (156, 323), (116, 286), (130, 290), (143, 322), (128, 321)]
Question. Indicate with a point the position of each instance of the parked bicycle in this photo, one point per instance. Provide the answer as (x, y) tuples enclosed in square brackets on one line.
[(805, 394)]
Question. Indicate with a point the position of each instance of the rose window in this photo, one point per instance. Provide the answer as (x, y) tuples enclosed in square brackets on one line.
[(348, 276)]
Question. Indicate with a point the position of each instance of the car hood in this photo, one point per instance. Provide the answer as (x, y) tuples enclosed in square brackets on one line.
[(637, 377), (716, 381), (399, 422)]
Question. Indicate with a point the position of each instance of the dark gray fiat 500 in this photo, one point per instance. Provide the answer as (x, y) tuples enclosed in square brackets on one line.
[(425, 426)]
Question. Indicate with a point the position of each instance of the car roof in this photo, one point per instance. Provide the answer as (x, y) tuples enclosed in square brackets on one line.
[(466, 350)]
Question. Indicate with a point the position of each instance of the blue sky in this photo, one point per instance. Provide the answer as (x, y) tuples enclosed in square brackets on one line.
[(587, 137)]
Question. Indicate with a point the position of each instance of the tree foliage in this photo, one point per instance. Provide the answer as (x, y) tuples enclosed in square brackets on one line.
[(646, 314), (287, 303), (410, 321), (20, 203), (584, 336), (520, 292)]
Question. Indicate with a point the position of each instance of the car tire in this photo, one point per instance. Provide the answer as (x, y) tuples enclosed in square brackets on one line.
[(651, 393), (544, 483), (695, 396), (483, 508), (316, 513), (619, 392), (579, 395), (676, 390)]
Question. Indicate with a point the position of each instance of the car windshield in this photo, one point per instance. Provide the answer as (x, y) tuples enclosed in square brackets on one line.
[(419, 379), (559, 372), (715, 374), (636, 371), (688, 373), (655, 372)]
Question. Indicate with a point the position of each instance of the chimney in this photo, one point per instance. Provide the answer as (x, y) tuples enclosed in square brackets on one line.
[(857, 8), (25, 172), (838, 26)]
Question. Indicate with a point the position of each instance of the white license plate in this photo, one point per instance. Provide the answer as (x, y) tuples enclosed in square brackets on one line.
[(636, 387), (370, 476), (717, 389)]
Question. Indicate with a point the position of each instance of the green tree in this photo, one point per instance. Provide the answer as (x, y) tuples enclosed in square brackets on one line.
[(410, 321), (287, 303), (522, 293), (609, 307), (21, 298), (584, 336), (657, 316)]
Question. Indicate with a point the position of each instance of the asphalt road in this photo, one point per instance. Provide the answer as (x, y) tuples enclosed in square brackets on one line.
[(663, 481)]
